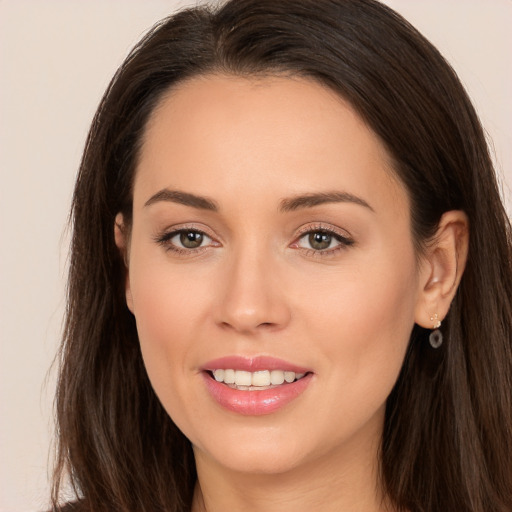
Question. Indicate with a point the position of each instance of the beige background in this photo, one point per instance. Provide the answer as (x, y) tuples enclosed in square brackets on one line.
[(56, 58)]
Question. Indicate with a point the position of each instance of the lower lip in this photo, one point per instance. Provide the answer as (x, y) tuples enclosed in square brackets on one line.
[(255, 403)]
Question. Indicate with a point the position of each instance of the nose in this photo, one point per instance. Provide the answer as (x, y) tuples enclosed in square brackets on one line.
[(253, 296)]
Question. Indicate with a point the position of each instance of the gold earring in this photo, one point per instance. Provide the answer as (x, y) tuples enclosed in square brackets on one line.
[(435, 320)]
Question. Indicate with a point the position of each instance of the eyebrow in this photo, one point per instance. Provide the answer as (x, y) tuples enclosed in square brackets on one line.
[(286, 205), (176, 196), (311, 200)]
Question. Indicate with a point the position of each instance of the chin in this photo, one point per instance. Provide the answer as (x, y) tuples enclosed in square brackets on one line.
[(264, 451), (262, 460)]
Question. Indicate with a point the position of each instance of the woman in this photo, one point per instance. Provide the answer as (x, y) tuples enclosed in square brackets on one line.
[(290, 281)]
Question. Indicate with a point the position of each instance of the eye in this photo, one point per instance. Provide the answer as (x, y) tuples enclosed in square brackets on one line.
[(189, 239), (323, 240), (318, 240), (185, 240)]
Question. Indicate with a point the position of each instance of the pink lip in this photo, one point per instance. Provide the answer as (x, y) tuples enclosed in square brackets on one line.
[(254, 403)]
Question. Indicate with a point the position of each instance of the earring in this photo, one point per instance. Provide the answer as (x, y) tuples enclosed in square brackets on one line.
[(436, 336)]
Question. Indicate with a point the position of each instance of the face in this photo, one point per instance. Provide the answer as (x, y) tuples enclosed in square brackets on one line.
[(270, 243)]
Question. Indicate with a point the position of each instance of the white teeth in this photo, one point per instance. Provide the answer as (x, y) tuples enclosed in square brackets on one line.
[(289, 376), (229, 376), (276, 377), (243, 378), (262, 379)]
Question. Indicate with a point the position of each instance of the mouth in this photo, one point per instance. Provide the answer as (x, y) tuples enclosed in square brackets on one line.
[(255, 386), (261, 380)]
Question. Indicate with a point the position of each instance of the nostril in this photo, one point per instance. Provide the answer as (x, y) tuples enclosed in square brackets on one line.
[(241, 327)]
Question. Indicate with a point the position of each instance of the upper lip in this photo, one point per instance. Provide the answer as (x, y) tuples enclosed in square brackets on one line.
[(253, 364)]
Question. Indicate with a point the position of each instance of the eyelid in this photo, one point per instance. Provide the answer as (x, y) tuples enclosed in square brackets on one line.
[(184, 226), (344, 238), (320, 226)]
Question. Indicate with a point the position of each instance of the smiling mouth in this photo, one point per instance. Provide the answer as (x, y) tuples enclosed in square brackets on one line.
[(255, 381)]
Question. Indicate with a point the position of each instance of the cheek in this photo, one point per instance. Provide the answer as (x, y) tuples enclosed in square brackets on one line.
[(168, 310), (168, 300), (363, 325)]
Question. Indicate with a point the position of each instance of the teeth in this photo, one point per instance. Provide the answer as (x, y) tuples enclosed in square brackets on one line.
[(289, 376), (263, 379), (229, 376), (219, 375), (276, 377), (243, 378)]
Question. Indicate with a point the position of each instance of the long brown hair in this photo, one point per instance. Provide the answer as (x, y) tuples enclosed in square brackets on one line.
[(447, 441)]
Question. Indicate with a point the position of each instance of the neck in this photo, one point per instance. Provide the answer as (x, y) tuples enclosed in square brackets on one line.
[(347, 479)]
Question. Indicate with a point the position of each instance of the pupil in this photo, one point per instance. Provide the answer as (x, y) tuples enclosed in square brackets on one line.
[(191, 239), (319, 240)]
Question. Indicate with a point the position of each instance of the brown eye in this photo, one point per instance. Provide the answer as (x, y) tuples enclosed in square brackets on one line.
[(186, 241), (191, 239), (320, 240)]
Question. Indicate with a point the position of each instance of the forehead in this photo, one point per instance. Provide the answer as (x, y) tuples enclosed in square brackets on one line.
[(268, 136)]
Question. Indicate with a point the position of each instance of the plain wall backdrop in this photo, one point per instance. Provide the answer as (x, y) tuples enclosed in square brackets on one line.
[(56, 58)]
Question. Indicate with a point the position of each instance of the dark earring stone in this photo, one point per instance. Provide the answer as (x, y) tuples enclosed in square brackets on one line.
[(436, 338)]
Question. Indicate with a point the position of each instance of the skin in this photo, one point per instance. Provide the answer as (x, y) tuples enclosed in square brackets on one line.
[(256, 286)]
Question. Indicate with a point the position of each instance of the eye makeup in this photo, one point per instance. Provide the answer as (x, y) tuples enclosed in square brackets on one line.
[(318, 240), (186, 240), (322, 240)]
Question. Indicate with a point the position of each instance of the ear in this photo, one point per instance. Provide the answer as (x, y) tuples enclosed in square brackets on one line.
[(442, 268), (122, 242)]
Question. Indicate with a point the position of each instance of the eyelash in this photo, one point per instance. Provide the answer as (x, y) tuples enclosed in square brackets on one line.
[(344, 242), (165, 240)]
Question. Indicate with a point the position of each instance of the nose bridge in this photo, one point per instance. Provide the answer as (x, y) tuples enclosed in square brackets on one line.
[(252, 298)]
